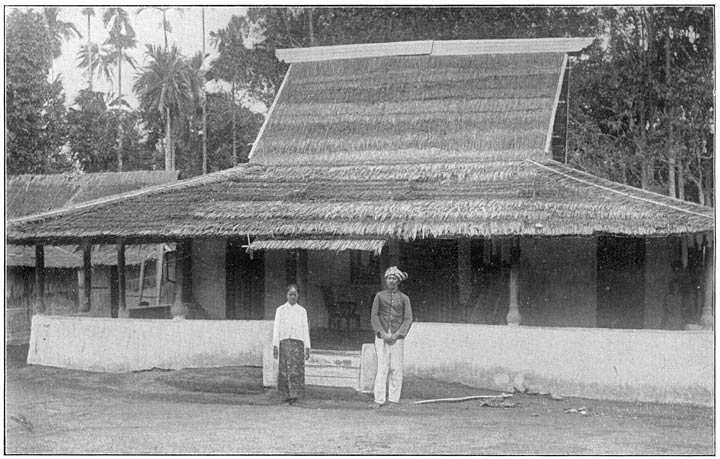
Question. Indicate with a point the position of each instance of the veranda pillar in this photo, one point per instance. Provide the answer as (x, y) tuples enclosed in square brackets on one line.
[(87, 277), (39, 279), (122, 306), (183, 272), (513, 316), (706, 316)]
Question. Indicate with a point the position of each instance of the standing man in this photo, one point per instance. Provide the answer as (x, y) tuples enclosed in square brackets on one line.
[(391, 318), (291, 336)]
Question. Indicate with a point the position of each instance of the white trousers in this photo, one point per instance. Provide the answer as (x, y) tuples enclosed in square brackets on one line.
[(388, 380)]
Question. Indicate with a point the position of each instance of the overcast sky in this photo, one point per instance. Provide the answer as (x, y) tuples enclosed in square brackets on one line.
[(186, 23)]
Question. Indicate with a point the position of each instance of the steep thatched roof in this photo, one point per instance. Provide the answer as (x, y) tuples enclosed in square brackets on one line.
[(32, 194), (412, 109), (419, 146)]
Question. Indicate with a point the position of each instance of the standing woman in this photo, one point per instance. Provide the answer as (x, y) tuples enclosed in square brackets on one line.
[(291, 345)]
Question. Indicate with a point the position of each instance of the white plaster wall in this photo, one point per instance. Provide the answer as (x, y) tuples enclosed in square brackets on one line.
[(658, 273), (557, 283), (121, 345), (644, 365), (208, 276)]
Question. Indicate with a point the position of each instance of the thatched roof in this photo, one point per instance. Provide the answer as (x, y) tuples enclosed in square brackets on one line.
[(493, 198), (333, 245), (32, 194), (419, 146), (413, 109)]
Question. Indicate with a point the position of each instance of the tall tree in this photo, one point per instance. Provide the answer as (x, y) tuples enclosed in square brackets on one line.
[(34, 107), (89, 12), (167, 86), (121, 37)]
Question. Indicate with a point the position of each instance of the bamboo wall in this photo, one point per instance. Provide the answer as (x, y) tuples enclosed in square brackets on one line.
[(61, 298)]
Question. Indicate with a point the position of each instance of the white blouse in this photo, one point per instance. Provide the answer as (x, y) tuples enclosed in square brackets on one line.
[(291, 323)]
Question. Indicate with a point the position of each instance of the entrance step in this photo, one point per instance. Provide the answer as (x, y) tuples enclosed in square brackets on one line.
[(333, 368)]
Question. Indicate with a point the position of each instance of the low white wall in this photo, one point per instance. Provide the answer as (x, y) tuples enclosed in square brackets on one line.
[(121, 345), (641, 365)]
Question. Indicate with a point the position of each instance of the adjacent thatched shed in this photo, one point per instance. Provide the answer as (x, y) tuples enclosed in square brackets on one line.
[(32, 194)]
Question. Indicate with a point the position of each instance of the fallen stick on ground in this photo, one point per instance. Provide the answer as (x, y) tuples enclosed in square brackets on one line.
[(462, 399)]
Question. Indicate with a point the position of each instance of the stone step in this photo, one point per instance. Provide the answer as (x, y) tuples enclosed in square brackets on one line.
[(335, 358), (334, 368), (331, 371)]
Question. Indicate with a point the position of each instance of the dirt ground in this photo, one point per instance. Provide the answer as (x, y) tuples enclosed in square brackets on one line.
[(227, 411)]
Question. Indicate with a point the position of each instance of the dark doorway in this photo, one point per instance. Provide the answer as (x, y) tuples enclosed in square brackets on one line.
[(620, 282), (432, 284), (245, 288)]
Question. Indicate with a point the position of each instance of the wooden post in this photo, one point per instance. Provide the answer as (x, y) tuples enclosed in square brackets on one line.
[(513, 316), (178, 309), (302, 263), (706, 316), (141, 281), (464, 271), (394, 252), (159, 273), (122, 306), (186, 268), (87, 276), (39, 279)]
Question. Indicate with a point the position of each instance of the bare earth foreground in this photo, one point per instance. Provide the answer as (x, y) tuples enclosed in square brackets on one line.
[(227, 411)]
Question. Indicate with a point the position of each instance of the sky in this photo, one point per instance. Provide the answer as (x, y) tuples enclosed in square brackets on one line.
[(186, 23)]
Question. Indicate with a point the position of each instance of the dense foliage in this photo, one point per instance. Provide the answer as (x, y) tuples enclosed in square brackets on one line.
[(34, 107)]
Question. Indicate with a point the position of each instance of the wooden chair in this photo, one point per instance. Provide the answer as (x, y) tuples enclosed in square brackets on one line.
[(348, 311), (338, 310)]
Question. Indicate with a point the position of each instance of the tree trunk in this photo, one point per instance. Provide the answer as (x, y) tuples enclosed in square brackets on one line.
[(119, 99), (169, 166), (672, 154), (311, 31), (681, 179), (89, 53), (204, 102), (234, 126)]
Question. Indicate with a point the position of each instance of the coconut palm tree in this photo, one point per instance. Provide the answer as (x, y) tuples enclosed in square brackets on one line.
[(168, 86), (89, 12), (121, 38), (96, 61)]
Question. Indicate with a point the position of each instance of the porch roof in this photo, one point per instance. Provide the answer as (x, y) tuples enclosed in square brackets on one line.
[(334, 245)]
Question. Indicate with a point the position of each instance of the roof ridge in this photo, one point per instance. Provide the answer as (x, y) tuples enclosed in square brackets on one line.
[(435, 48)]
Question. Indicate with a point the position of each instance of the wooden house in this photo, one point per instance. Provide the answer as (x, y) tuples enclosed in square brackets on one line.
[(64, 282), (446, 158)]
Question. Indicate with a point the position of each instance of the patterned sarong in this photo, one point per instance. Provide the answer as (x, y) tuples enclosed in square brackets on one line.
[(291, 374)]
